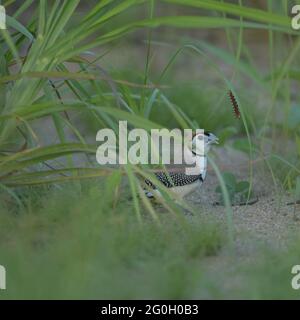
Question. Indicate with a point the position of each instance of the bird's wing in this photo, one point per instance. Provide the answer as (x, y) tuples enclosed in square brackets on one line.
[(174, 179)]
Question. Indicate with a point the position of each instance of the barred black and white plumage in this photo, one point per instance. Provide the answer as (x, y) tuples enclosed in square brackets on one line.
[(180, 182), (173, 180)]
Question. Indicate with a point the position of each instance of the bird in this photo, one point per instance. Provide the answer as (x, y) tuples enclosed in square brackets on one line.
[(182, 183)]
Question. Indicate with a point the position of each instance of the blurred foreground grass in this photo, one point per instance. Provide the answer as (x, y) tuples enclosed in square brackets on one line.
[(72, 243)]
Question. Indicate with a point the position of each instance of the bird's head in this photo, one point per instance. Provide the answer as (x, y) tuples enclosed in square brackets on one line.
[(202, 142)]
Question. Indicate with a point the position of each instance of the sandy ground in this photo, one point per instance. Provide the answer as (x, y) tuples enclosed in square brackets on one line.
[(270, 220), (267, 224)]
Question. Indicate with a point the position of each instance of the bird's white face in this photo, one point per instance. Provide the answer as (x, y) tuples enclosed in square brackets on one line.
[(202, 142)]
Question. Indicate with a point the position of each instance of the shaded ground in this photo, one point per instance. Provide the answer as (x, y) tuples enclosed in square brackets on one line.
[(269, 220), (266, 226)]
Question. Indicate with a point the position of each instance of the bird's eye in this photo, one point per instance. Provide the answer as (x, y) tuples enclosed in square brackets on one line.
[(200, 137)]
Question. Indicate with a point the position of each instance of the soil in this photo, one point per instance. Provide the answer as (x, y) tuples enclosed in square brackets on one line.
[(270, 220)]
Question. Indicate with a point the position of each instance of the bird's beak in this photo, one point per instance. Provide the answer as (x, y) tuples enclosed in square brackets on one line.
[(214, 139)]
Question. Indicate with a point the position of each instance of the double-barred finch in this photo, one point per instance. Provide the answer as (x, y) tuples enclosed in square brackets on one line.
[(181, 183)]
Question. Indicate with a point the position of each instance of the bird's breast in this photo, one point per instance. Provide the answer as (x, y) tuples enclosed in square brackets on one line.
[(184, 190)]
